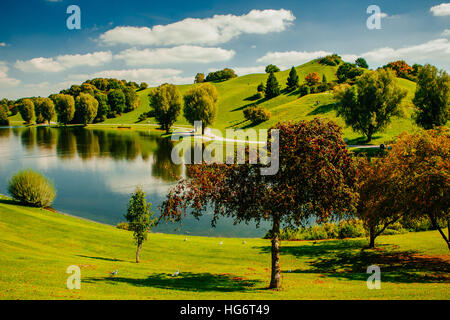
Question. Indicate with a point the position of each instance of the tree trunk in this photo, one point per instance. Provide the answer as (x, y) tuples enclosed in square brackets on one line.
[(138, 251), (436, 225), (275, 281), (203, 130), (372, 237)]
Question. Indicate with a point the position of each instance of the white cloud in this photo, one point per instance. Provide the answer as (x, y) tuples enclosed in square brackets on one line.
[(349, 57), (180, 54), (153, 77), (242, 71), (446, 33), (441, 10), (64, 62), (3, 44), (218, 29), (429, 51), (5, 80), (291, 58)]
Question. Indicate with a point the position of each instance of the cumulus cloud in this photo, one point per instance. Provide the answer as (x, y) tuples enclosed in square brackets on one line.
[(242, 71), (441, 10), (434, 49), (5, 80), (446, 33), (179, 54), (218, 29), (64, 62), (152, 76), (287, 59)]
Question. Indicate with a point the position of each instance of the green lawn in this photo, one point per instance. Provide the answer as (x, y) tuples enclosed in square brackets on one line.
[(38, 245)]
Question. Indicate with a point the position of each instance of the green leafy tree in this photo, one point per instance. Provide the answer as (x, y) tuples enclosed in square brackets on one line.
[(348, 72), (138, 217), (432, 97), (4, 121), (271, 68), (132, 100), (117, 101), (65, 107), (362, 63), (86, 106), (199, 78), (143, 86), (26, 109), (47, 109), (316, 178), (200, 104), (369, 105), (292, 80), (103, 107), (261, 87), (272, 87), (166, 102)]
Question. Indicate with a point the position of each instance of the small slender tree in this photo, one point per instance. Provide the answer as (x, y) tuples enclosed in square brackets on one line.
[(200, 104), (272, 87), (432, 98), (138, 217), (26, 109), (312, 79), (47, 109), (166, 102), (65, 107), (292, 80)]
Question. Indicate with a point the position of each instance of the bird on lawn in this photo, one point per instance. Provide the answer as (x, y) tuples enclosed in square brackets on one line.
[(185, 239), (221, 242), (244, 242), (114, 272), (176, 273)]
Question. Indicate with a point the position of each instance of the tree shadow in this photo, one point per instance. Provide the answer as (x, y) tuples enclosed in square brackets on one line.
[(360, 140), (101, 258), (186, 281), (349, 259), (322, 109)]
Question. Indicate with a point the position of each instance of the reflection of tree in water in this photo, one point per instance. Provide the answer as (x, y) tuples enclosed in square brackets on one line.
[(123, 146), (162, 166), (5, 132), (66, 147), (28, 138), (46, 137), (87, 144)]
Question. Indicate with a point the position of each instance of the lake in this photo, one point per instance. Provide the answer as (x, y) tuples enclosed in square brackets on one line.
[(96, 170)]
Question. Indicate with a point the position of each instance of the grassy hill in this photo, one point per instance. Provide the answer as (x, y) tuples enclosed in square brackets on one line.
[(234, 96), (38, 245)]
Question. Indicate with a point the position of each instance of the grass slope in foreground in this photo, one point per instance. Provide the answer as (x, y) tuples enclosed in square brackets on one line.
[(37, 246), (234, 97)]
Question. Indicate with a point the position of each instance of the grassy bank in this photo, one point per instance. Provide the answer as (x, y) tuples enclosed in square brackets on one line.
[(38, 245)]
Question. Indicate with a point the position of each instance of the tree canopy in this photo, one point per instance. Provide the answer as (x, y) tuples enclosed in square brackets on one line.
[(166, 102)]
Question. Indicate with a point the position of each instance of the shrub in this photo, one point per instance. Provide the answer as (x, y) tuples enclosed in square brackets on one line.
[(312, 79), (303, 90), (331, 60), (221, 75), (32, 188), (257, 114), (123, 226), (351, 229)]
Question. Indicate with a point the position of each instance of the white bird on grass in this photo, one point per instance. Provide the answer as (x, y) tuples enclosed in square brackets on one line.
[(176, 273), (185, 239), (114, 272), (221, 242)]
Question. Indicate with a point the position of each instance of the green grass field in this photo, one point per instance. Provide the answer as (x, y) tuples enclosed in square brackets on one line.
[(38, 245)]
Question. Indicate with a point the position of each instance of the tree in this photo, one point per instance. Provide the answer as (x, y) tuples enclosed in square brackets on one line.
[(4, 121), (272, 87), (138, 217), (260, 87), (292, 80), (103, 107), (257, 114), (86, 106), (47, 109), (348, 72), (199, 78), (432, 97), (26, 109), (143, 86), (401, 69), (117, 101), (200, 104), (221, 75), (271, 68), (369, 105), (316, 179), (132, 100), (422, 176), (312, 79), (166, 102), (65, 108), (324, 79), (362, 63)]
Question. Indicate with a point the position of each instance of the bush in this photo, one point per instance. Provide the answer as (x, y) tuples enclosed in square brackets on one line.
[(123, 226), (351, 229), (32, 188), (303, 90), (331, 60), (257, 114)]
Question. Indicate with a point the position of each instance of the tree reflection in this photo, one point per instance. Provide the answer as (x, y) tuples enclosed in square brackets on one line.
[(162, 166)]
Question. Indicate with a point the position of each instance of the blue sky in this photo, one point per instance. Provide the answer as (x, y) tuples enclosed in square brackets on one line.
[(170, 41)]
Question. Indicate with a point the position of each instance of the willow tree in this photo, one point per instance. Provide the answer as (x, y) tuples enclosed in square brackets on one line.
[(316, 178)]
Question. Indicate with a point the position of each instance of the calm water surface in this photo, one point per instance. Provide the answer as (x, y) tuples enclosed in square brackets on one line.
[(96, 170)]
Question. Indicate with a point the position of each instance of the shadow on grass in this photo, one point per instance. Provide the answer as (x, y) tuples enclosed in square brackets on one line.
[(349, 259), (186, 281), (322, 109), (361, 140), (101, 258)]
